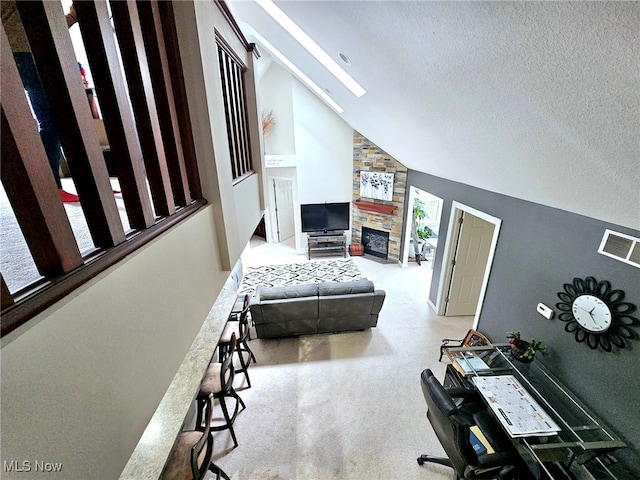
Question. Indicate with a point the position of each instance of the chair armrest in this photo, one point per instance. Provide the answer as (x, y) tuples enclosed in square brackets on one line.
[(464, 393), (467, 401)]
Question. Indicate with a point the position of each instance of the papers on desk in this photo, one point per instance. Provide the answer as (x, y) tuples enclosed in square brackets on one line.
[(519, 413), (469, 364)]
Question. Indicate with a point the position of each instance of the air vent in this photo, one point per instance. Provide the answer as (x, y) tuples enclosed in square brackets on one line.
[(621, 247)]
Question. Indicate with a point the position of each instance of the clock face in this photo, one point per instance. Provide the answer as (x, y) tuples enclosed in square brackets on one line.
[(591, 313), (596, 314)]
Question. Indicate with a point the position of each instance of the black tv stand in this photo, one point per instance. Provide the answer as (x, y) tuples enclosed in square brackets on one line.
[(327, 242)]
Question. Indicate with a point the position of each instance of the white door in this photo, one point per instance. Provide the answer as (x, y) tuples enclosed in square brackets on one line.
[(283, 201), (470, 262)]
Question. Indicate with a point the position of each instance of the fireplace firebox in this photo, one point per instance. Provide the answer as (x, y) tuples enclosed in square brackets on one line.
[(375, 242)]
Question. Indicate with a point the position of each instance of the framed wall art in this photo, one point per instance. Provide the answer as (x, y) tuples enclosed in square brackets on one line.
[(377, 185)]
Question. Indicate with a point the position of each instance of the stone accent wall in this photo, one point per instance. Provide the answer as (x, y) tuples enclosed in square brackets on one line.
[(368, 156)]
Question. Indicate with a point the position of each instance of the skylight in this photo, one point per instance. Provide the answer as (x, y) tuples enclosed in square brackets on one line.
[(312, 47), (295, 70)]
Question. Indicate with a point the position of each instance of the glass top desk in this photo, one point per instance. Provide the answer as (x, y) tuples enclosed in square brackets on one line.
[(579, 450)]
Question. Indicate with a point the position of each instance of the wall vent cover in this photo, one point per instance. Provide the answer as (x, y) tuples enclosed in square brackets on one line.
[(621, 247)]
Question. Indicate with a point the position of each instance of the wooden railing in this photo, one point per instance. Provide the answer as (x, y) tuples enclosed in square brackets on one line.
[(146, 118)]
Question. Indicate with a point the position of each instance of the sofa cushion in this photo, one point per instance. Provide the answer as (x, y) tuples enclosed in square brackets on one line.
[(290, 291), (345, 288)]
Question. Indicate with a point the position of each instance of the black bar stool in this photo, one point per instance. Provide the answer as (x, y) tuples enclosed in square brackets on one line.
[(218, 381), (190, 457), (238, 325)]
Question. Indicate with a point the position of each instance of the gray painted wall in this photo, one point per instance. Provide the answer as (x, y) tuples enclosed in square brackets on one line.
[(539, 249)]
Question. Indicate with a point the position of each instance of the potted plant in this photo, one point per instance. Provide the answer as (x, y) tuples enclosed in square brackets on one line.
[(523, 350), (418, 209), (424, 232)]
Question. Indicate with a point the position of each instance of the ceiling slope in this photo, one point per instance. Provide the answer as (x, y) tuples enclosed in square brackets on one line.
[(536, 100)]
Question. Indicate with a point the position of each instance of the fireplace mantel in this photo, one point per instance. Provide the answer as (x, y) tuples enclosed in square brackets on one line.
[(374, 207)]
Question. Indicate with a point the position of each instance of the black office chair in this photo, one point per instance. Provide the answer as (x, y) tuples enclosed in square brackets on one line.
[(451, 421)]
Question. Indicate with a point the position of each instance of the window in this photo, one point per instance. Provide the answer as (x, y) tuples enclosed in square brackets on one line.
[(233, 92), (135, 65)]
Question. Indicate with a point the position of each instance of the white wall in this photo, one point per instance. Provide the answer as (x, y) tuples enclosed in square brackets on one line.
[(279, 100), (81, 381), (324, 143), (324, 147), (321, 162)]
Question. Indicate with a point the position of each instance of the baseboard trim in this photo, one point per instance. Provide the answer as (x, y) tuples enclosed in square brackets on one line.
[(432, 305)]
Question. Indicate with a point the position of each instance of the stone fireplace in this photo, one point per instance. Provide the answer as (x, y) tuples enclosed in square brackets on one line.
[(375, 242), (377, 215)]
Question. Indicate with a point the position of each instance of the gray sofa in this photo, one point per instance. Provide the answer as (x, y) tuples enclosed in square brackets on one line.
[(315, 308)]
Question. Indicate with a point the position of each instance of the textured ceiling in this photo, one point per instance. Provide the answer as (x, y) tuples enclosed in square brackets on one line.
[(536, 100)]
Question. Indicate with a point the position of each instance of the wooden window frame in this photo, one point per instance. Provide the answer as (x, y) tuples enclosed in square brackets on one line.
[(232, 72)]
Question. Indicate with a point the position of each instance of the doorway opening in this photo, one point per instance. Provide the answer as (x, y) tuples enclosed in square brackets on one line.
[(468, 254), (428, 214), (282, 224)]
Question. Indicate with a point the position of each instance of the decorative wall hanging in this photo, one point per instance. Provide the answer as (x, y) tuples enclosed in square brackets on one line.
[(268, 122), (376, 185)]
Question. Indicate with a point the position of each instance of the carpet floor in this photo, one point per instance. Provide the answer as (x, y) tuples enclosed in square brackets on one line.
[(18, 267), (342, 406)]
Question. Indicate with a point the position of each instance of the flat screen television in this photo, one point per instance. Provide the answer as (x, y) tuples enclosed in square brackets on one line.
[(325, 217)]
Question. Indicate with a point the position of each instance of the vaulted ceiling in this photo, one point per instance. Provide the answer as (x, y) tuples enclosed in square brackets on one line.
[(535, 100)]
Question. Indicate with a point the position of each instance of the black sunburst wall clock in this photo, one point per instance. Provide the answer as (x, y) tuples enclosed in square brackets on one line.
[(595, 313)]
